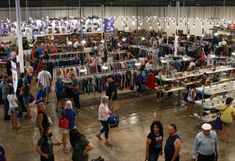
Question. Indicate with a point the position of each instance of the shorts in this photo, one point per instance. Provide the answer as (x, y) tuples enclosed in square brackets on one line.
[(12, 109), (59, 97), (66, 131), (26, 100), (225, 124), (47, 90)]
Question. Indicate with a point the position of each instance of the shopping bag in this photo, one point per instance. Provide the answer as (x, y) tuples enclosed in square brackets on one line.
[(217, 124), (64, 123), (113, 121)]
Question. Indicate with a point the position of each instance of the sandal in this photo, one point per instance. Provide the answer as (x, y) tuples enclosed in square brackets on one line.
[(99, 137)]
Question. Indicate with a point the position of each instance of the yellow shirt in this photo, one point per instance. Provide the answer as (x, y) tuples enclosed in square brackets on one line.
[(227, 115)]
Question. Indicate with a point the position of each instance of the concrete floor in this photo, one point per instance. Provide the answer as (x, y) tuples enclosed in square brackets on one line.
[(128, 140)]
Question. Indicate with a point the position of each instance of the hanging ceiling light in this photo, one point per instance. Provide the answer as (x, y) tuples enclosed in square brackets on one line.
[(105, 66), (126, 28), (83, 69), (83, 42), (137, 64), (124, 39), (133, 22)]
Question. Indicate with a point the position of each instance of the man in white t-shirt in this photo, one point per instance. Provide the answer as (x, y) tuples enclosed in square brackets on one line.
[(45, 78)]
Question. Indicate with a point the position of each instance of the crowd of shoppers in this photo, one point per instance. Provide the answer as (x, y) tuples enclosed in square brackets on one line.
[(205, 146)]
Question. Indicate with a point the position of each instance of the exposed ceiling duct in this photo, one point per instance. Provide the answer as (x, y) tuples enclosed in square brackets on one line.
[(86, 3)]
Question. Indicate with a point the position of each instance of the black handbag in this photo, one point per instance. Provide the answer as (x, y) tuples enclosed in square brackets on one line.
[(98, 159)]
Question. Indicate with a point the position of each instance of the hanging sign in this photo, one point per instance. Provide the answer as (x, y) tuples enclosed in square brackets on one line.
[(109, 25), (14, 75)]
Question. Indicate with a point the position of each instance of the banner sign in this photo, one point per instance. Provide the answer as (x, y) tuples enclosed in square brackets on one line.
[(14, 75), (109, 25)]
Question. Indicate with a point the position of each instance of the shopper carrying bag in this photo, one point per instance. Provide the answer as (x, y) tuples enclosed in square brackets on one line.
[(103, 115), (68, 122), (227, 116)]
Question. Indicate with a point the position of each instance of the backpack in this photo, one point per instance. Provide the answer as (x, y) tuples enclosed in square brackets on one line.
[(139, 79)]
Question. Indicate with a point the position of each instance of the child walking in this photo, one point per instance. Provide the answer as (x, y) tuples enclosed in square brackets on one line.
[(13, 107)]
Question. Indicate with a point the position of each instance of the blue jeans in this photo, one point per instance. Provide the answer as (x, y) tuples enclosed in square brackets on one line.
[(153, 156), (105, 129), (140, 88)]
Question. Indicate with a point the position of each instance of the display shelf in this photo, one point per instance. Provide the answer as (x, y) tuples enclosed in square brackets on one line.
[(208, 118), (174, 89), (218, 88), (209, 103), (196, 73)]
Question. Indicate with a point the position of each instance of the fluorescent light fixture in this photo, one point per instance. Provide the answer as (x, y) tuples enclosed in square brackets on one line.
[(69, 42), (133, 23), (83, 42), (137, 64), (105, 67), (83, 69), (124, 39)]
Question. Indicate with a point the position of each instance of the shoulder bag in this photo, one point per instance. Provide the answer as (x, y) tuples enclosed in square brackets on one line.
[(64, 122), (217, 124)]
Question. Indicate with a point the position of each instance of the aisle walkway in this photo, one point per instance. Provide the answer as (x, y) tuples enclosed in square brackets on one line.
[(128, 139)]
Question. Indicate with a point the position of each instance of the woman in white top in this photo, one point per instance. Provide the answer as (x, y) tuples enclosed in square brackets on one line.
[(103, 115), (13, 105)]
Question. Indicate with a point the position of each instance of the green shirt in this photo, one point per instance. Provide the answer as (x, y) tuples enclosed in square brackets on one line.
[(78, 150), (75, 83), (46, 145)]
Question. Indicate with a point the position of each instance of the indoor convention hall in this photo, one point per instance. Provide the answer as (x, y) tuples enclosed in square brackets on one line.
[(124, 80)]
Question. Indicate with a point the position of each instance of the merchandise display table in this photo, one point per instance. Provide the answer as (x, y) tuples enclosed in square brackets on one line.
[(196, 73), (218, 88), (174, 89)]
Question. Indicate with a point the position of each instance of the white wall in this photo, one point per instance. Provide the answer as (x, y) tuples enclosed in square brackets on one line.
[(191, 12)]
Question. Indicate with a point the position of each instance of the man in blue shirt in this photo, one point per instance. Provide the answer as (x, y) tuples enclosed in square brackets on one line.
[(205, 146)]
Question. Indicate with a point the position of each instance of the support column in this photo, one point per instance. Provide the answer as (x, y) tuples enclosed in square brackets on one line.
[(177, 25), (20, 57)]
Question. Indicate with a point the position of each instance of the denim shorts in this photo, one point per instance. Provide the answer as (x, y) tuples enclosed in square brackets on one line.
[(47, 90), (26, 100), (13, 109)]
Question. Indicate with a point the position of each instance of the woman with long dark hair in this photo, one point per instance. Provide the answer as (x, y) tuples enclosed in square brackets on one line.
[(45, 146), (80, 145), (154, 141)]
